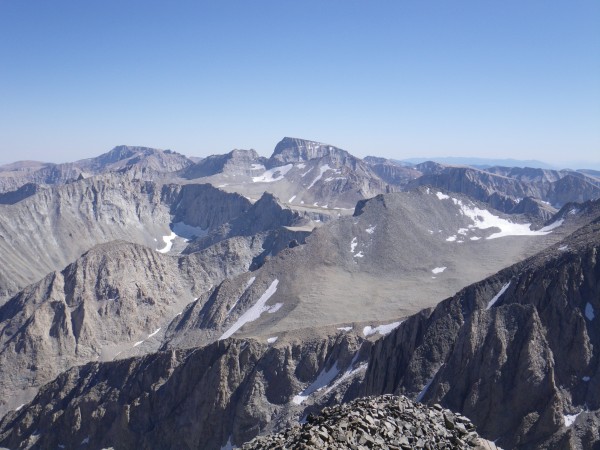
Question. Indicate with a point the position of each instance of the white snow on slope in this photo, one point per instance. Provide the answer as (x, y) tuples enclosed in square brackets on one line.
[(381, 329), (484, 219), (272, 340), (291, 199), (424, 390), (552, 226), (153, 333), (498, 295), (371, 229), (442, 196), (451, 239), (353, 244), (359, 255), (345, 328), (570, 418), (138, 343), (589, 311), (168, 240), (563, 248), (255, 311), (324, 168), (350, 370), (438, 270), (323, 379), (228, 445), (274, 174)]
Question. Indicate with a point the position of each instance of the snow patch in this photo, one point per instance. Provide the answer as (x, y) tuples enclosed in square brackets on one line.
[(249, 282), (272, 340), (589, 311), (291, 199), (442, 196), (274, 174), (371, 229), (552, 226), (324, 168), (424, 390), (484, 219), (323, 379), (563, 248), (438, 269), (359, 255), (301, 166), (18, 408), (353, 244), (475, 238), (255, 311), (381, 329), (138, 343), (586, 379), (451, 238), (344, 328), (497, 296), (228, 445), (85, 441), (570, 419), (153, 333), (168, 240)]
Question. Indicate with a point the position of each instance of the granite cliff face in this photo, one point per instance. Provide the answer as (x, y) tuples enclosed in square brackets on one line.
[(517, 353), (51, 228), (206, 397), (90, 311)]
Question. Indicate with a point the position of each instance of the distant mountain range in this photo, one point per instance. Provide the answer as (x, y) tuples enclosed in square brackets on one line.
[(150, 300)]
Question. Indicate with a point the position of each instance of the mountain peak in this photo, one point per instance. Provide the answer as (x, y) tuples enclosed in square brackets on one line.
[(300, 150)]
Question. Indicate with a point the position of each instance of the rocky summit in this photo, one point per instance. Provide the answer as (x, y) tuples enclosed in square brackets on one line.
[(386, 421)]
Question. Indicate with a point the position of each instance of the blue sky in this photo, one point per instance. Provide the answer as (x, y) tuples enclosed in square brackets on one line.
[(511, 79)]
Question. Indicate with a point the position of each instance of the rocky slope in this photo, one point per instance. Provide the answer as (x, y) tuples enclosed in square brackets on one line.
[(492, 348), (398, 254), (140, 162), (377, 422), (234, 163), (206, 398), (517, 352), (392, 172), (503, 188), (89, 311), (305, 174), (53, 227)]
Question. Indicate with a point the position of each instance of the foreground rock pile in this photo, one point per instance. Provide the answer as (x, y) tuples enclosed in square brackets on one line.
[(377, 422)]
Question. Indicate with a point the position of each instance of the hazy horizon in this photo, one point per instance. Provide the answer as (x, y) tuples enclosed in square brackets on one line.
[(392, 79)]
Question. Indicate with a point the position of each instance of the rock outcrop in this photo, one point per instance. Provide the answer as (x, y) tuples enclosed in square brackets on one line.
[(523, 341), (227, 392), (50, 229), (384, 422)]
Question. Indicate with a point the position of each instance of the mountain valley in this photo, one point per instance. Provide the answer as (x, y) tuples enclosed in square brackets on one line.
[(151, 300)]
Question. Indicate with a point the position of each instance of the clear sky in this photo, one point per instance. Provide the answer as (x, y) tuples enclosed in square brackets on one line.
[(511, 79)]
